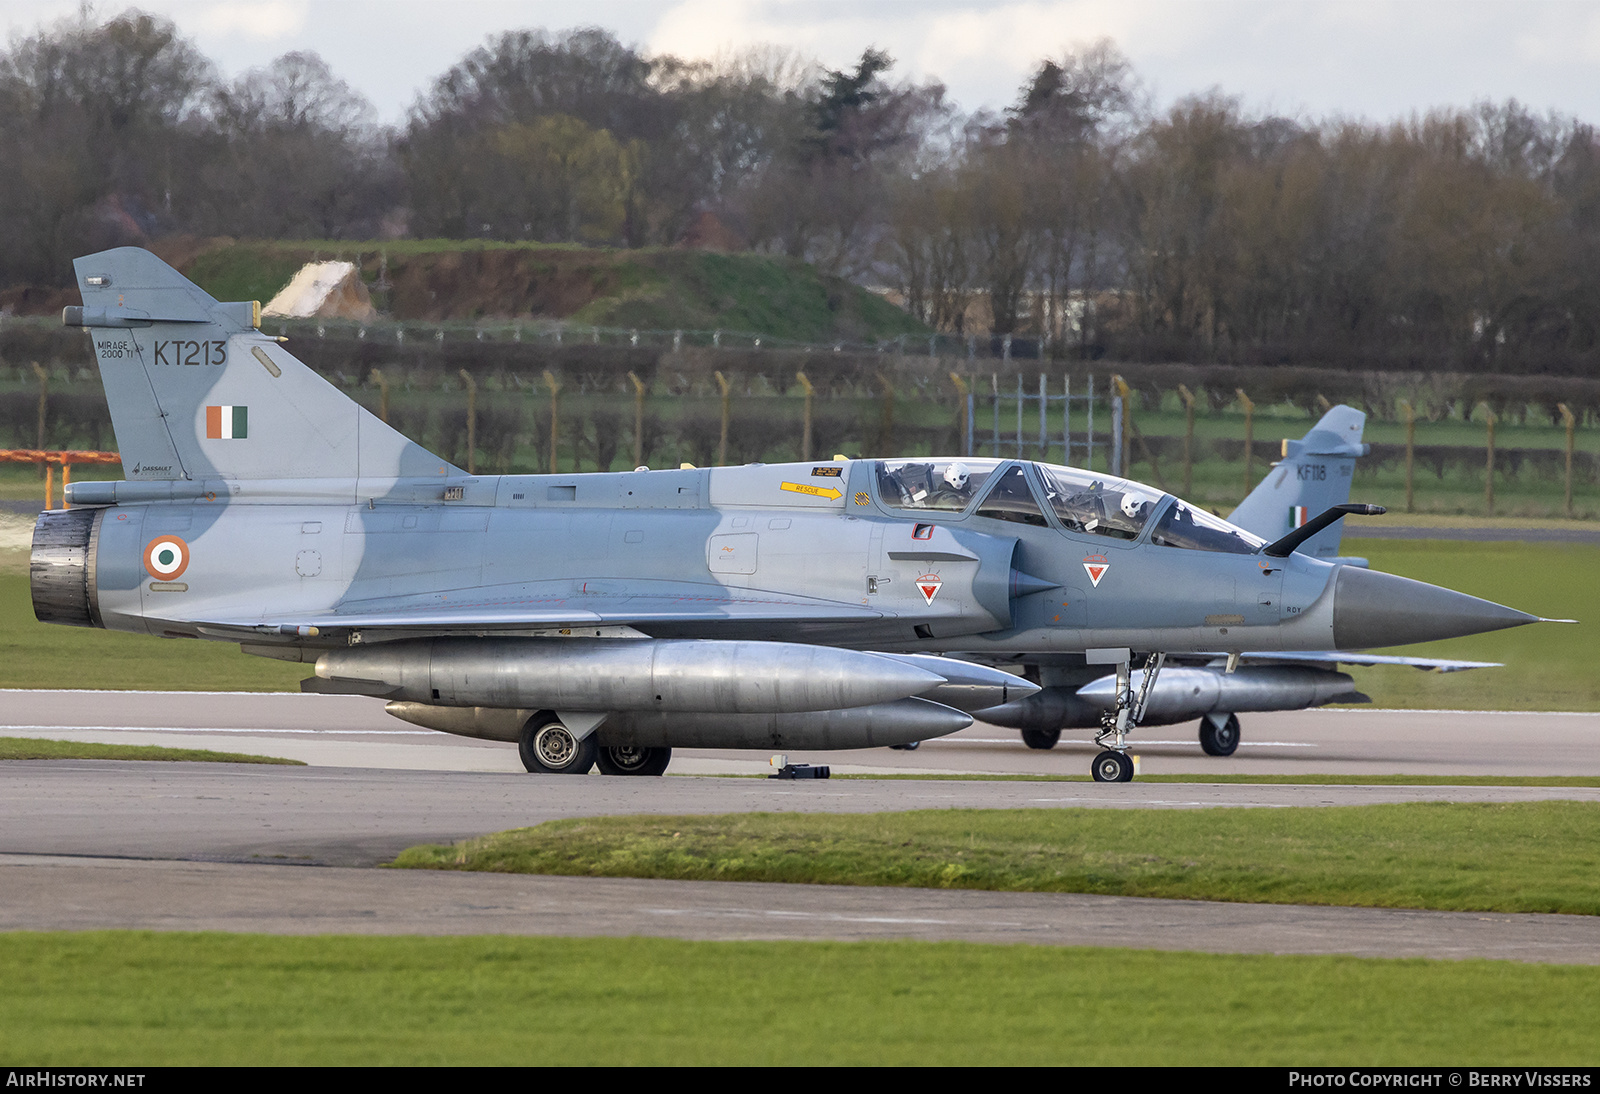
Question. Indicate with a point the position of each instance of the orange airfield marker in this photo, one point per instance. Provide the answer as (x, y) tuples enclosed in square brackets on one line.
[(65, 457)]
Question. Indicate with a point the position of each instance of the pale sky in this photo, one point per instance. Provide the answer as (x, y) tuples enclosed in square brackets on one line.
[(1375, 59)]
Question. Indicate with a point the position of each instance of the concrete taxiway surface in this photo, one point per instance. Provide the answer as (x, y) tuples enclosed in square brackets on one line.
[(87, 844), (353, 731)]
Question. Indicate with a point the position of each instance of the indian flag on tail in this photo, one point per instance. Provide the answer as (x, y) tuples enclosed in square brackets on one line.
[(227, 422)]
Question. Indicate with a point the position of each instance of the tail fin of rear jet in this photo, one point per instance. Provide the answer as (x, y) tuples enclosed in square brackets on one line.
[(197, 391), (1314, 475)]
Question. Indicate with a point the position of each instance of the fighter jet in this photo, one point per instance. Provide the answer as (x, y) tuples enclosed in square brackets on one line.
[(1313, 477), (605, 619)]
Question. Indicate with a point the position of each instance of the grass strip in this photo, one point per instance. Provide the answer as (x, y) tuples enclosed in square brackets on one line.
[(1522, 857), (38, 748), (121, 999)]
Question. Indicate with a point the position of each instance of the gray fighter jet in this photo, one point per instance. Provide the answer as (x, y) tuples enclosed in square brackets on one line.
[(608, 618), (1313, 477)]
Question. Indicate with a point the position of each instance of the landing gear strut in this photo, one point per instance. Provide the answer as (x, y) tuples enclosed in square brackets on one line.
[(1114, 764)]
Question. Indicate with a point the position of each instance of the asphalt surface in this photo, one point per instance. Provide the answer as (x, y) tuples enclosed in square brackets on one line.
[(98, 844)]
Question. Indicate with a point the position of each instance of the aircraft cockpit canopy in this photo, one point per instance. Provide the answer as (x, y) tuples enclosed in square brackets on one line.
[(1086, 502), (1184, 525), (947, 485), (1098, 504)]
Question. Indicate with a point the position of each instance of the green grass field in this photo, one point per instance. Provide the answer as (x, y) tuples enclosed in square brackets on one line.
[(123, 999), (34, 748), (1524, 857), (1548, 666)]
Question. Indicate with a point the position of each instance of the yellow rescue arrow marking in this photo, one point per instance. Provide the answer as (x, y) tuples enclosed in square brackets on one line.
[(830, 492)]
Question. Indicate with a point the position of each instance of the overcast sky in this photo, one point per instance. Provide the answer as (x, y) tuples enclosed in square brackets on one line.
[(1377, 59)]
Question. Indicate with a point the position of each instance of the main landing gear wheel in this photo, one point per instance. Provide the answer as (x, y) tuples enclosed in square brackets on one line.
[(632, 760), (1041, 738), (1219, 740), (1112, 767), (549, 748)]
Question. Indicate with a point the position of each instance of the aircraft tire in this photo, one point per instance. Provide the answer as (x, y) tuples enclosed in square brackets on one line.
[(1041, 738), (548, 748), (1219, 740), (632, 760), (1112, 767)]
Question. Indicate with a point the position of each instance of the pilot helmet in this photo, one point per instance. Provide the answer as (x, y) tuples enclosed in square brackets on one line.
[(1133, 504), (956, 476)]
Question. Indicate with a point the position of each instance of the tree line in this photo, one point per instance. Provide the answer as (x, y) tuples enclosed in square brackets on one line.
[(1079, 217)]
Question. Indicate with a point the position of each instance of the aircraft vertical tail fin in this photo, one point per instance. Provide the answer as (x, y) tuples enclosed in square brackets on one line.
[(1314, 475), (197, 391)]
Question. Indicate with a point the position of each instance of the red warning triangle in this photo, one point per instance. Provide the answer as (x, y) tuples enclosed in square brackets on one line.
[(929, 585), (1096, 570)]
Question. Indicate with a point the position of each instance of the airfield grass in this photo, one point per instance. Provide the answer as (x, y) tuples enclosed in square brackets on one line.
[(35, 748), (1496, 857), (1548, 666), (123, 999)]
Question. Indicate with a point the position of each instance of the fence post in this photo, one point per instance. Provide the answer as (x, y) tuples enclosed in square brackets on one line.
[(1019, 414), (472, 422), (44, 408), (1114, 456), (722, 445), (1568, 420), (1044, 405), (963, 414), (1088, 429), (886, 418), (1411, 448), (1249, 439), (1488, 467), (638, 420), (994, 391), (1066, 421), (1188, 438), (383, 394), (555, 420), (805, 437)]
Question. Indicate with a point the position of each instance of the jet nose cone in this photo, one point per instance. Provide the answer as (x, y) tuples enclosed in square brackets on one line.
[(1377, 609)]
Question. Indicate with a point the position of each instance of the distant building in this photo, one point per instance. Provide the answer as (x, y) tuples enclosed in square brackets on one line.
[(323, 290)]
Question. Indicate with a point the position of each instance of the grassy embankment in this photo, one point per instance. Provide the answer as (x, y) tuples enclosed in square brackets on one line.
[(128, 999), (652, 288), (1523, 857)]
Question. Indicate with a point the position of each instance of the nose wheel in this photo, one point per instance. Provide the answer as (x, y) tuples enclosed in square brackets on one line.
[(1113, 767)]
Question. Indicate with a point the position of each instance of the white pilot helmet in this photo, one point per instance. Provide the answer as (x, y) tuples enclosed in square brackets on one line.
[(1132, 503), (956, 476)]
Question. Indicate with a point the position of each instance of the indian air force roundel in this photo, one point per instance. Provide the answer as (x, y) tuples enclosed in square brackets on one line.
[(166, 557)]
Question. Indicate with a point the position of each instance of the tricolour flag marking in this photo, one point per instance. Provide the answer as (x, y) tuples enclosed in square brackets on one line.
[(227, 423)]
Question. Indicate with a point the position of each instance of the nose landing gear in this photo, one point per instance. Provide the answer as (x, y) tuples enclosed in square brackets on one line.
[(1114, 765)]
